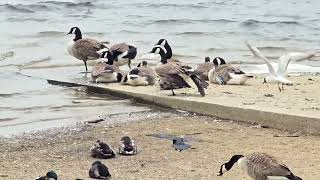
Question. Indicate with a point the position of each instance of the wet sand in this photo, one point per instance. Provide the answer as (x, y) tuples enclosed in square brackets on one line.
[(213, 142)]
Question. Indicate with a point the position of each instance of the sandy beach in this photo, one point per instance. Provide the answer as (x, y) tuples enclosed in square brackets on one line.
[(213, 142)]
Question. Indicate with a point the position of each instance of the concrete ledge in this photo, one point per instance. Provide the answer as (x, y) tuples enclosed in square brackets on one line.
[(283, 121)]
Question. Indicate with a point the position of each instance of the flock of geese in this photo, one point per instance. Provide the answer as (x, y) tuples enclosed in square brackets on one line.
[(174, 74)]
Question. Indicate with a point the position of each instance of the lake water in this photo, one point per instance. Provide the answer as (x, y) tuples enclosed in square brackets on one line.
[(35, 30)]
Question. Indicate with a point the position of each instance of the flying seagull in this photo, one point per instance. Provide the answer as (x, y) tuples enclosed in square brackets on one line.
[(280, 75)]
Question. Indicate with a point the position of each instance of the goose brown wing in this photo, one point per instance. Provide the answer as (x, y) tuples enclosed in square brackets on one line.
[(120, 48), (267, 165), (88, 47), (98, 69), (149, 73), (172, 81), (169, 68), (102, 67)]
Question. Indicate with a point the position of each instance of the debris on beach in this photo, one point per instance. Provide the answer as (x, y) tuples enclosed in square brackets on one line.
[(127, 146), (95, 121), (268, 95), (50, 175), (102, 150), (99, 171), (179, 144)]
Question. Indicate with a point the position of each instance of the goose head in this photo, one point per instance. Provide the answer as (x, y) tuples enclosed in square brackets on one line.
[(217, 61), (106, 54), (143, 64), (227, 166), (76, 31), (165, 44), (159, 50), (207, 59)]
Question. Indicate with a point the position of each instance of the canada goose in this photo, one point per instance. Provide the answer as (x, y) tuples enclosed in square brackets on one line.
[(260, 166), (141, 76), (204, 68), (227, 74), (172, 74), (120, 54), (127, 146), (280, 75), (179, 144), (105, 73), (99, 171), (51, 175), (83, 48), (102, 150)]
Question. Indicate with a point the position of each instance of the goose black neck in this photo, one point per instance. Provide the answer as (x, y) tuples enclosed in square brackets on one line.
[(232, 161), (169, 51), (78, 35), (163, 57), (120, 76)]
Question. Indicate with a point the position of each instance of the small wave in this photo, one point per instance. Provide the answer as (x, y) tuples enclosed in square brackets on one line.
[(12, 19), (5, 95), (50, 33), (171, 21), (195, 33), (69, 4), (6, 55), (7, 119), (272, 48), (178, 56), (17, 8), (153, 5), (130, 32), (187, 21), (252, 22), (27, 45)]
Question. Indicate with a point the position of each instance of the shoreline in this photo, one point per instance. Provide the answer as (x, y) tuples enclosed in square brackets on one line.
[(213, 142)]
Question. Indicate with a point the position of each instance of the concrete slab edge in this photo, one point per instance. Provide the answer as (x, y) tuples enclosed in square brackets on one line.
[(287, 122)]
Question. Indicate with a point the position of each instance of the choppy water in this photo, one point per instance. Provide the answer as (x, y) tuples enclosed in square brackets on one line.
[(35, 30)]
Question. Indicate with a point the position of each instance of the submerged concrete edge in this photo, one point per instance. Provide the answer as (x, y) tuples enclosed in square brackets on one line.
[(287, 122)]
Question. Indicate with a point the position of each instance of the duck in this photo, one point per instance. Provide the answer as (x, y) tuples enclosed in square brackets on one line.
[(84, 49), (127, 146), (99, 171), (227, 74), (260, 166), (204, 68), (120, 54), (174, 74), (141, 76), (102, 150), (102, 72), (51, 175), (179, 144)]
